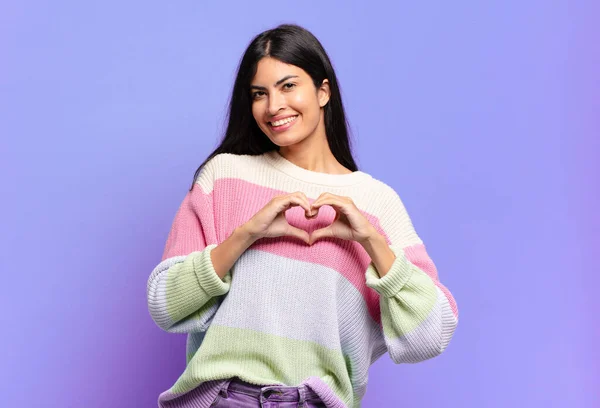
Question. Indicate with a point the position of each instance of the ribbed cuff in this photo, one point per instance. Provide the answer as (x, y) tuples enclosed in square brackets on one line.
[(207, 276), (393, 281)]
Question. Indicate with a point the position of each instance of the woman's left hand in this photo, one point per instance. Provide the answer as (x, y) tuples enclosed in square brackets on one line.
[(349, 223)]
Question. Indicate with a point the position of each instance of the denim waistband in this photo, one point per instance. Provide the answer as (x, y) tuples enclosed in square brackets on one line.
[(270, 392)]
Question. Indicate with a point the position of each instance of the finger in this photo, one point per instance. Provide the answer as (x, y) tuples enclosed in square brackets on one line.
[(320, 233), (327, 194), (321, 196), (312, 212), (304, 198), (309, 212), (337, 216), (286, 202), (301, 200), (332, 201)]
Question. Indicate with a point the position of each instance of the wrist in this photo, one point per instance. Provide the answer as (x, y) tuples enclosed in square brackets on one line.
[(245, 235), (373, 239), (380, 253)]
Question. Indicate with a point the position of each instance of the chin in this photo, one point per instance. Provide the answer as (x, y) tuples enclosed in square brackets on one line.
[(285, 140)]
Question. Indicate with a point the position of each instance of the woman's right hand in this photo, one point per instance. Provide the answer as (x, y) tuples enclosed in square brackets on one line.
[(270, 221)]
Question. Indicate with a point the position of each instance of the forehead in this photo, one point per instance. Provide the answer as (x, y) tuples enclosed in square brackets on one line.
[(270, 70)]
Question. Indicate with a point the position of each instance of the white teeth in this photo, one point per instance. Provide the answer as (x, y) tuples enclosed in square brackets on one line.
[(283, 121)]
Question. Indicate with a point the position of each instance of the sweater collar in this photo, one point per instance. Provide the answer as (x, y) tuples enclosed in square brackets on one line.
[(275, 159)]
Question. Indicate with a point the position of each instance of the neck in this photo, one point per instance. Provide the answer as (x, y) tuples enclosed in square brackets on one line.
[(313, 153)]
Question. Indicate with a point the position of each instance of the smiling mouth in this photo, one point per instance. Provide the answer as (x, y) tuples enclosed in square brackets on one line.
[(282, 122)]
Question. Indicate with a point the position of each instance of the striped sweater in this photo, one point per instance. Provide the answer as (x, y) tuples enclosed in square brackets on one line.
[(288, 313)]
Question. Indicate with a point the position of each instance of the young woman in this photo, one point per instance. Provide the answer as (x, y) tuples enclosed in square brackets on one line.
[(290, 270)]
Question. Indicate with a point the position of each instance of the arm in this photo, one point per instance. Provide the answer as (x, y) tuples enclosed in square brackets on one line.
[(185, 289), (418, 313)]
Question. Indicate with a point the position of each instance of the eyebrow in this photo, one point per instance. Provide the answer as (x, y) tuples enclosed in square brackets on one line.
[(285, 78)]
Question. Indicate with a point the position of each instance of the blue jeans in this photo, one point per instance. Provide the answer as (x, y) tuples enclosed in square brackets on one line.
[(236, 393)]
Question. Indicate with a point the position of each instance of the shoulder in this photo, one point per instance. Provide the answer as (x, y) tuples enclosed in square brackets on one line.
[(228, 165), (385, 204), (381, 194), (230, 161)]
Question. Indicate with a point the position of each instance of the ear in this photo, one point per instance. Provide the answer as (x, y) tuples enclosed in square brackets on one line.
[(324, 93)]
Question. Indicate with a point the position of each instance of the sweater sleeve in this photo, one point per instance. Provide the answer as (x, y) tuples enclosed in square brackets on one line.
[(184, 291), (418, 313)]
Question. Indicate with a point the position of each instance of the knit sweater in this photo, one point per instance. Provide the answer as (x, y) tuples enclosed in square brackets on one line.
[(289, 313)]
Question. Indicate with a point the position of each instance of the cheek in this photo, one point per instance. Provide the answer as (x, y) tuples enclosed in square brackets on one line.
[(254, 110), (257, 113), (304, 103)]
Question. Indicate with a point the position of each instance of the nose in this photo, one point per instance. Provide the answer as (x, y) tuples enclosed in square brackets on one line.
[(276, 103)]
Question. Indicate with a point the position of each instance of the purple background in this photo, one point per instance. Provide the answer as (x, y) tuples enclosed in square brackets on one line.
[(483, 117)]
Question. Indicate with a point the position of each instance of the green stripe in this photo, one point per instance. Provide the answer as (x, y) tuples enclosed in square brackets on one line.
[(262, 358), (404, 312), (181, 290)]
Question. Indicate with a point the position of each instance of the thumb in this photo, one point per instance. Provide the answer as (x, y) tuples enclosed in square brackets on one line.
[(320, 233), (298, 233)]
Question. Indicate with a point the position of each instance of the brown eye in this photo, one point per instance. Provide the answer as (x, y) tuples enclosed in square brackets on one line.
[(257, 94), (289, 85)]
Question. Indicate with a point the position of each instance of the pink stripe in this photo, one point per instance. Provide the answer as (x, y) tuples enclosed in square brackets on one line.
[(193, 227), (417, 255), (251, 198), (204, 219)]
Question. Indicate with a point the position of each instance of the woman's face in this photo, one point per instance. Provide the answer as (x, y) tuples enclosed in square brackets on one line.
[(285, 103)]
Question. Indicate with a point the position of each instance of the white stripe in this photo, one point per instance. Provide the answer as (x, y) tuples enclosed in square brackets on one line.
[(300, 300), (427, 340), (373, 196)]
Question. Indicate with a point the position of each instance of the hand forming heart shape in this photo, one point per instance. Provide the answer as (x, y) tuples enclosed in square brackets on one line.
[(349, 223)]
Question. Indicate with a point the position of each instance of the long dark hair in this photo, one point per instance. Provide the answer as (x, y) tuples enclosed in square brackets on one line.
[(294, 45)]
